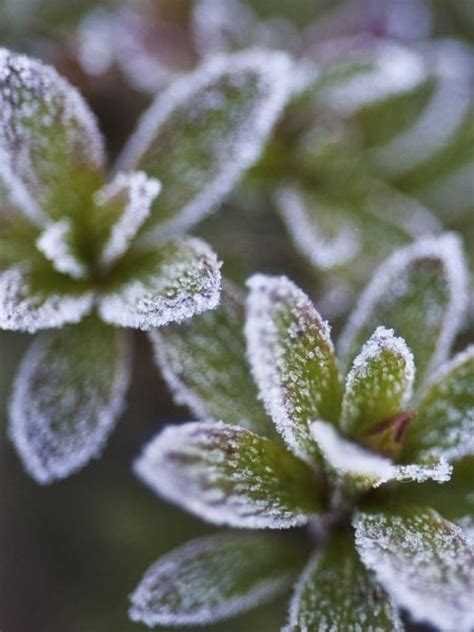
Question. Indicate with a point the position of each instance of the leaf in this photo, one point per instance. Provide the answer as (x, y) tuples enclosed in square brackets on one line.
[(31, 299), (174, 281), (444, 425), (423, 561), (67, 396), (214, 578), (127, 200), (205, 131), (420, 292), (229, 475), (203, 361), (48, 137), (362, 469), (56, 243), (379, 384), (292, 359), (335, 592)]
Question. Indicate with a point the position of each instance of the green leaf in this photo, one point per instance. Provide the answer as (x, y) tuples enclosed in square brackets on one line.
[(214, 578), (423, 561), (293, 361), (202, 133), (204, 363), (420, 292), (169, 283), (229, 475), (444, 425), (378, 387), (67, 396), (48, 138), (336, 592)]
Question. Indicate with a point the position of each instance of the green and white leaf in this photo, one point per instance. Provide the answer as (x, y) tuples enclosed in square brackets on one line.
[(67, 396), (204, 363), (229, 475), (420, 292), (205, 131), (336, 592), (169, 283), (214, 578), (423, 561), (293, 361)]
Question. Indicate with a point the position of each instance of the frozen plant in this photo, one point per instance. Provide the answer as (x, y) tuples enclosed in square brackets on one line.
[(106, 255), (340, 456)]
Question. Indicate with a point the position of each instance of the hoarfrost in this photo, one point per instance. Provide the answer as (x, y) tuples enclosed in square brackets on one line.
[(424, 562), (55, 243), (21, 309)]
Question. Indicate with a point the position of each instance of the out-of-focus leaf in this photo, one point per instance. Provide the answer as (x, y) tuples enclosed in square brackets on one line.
[(293, 361), (444, 424), (420, 292), (424, 563), (67, 396), (169, 283), (214, 578), (229, 475), (204, 362), (337, 592), (379, 385), (204, 131)]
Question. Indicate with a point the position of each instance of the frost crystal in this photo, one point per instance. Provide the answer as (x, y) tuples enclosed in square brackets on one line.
[(134, 194), (55, 244), (21, 309)]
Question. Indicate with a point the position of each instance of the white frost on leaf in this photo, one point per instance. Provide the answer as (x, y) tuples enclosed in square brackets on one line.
[(66, 398), (22, 309), (14, 194), (228, 476), (448, 251), (133, 193), (55, 244), (349, 459), (210, 579), (236, 146), (181, 280), (424, 562)]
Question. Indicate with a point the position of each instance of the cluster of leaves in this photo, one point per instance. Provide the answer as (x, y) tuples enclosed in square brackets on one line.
[(335, 455), (77, 249)]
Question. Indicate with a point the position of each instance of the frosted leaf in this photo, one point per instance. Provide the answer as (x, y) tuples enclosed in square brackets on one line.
[(336, 592), (203, 132), (392, 69), (420, 292), (170, 283), (365, 469), (451, 194), (292, 359), (325, 244), (15, 198), (204, 363), (423, 561), (128, 198), (48, 136), (379, 384), (228, 475), (467, 525), (444, 425), (67, 396), (24, 306), (56, 244), (440, 120), (214, 578)]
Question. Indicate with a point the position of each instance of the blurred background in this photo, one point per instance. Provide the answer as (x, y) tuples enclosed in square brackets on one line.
[(377, 150)]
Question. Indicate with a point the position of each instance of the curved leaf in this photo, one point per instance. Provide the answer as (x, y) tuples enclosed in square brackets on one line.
[(202, 133), (214, 578), (423, 561), (67, 396), (204, 363), (228, 475), (292, 359), (170, 283)]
